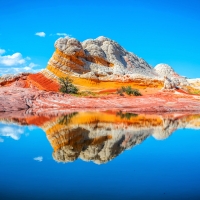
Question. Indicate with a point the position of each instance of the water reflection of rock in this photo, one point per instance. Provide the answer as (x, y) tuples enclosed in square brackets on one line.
[(101, 136), (98, 143), (167, 128)]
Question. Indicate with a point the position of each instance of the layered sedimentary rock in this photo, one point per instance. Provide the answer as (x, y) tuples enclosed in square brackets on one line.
[(102, 57), (101, 63), (18, 80)]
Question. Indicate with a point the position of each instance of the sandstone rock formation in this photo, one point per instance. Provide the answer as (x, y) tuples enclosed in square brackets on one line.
[(172, 80), (97, 64), (101, 63), (104, 58), (8, 79)]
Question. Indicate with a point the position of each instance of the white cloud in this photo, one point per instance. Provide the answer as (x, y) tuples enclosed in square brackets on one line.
[(30, 67), (2, 51), (27, 68), (16, 63), (12, 60), (12, 131), (63, 34), (41, 34), (39, 158)]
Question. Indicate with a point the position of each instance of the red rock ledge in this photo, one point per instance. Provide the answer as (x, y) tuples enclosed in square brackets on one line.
[(16, 98)]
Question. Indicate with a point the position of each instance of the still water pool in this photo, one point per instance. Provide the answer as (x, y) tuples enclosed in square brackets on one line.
[(100, 155)]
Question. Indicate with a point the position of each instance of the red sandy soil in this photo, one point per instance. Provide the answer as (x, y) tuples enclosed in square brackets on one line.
[(13, 98)]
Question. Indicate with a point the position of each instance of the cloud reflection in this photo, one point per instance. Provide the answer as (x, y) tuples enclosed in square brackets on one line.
[(12, 131), (39, 158)]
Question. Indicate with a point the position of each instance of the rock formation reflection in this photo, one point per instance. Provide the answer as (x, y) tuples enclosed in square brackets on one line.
[(101, 136)]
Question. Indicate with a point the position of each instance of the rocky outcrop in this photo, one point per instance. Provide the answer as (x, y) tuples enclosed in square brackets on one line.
[(96, 64), (102, 56), (8, 79), (43, 83), (172, 80), (101, 63), (169, 84)]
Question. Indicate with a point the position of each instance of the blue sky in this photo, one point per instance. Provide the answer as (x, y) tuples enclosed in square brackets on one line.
[(158, 31)]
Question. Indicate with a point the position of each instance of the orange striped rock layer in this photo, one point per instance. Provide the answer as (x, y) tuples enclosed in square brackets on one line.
[(42, 82), (95, 85)]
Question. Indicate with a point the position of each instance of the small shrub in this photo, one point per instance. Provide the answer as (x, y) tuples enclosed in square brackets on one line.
[(127, 116), (67, 118), (136, 92), (129, 91), (66, 86)]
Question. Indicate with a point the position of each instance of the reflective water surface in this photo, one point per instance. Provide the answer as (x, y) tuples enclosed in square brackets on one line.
[(99, 155)]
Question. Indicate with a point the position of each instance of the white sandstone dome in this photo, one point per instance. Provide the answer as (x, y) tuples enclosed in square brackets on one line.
[(166, 71), (117, 61), (104, 59)]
